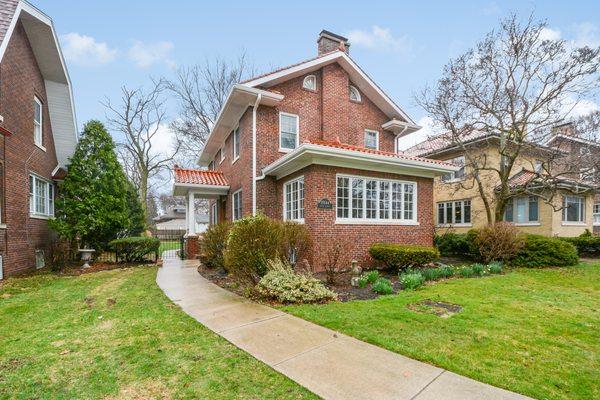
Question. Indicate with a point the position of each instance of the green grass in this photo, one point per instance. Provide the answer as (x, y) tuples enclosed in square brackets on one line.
[(114, 335), (168, 245), (533, 331)]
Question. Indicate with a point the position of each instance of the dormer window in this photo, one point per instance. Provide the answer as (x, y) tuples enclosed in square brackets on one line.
[(355, 94), (310, 82)]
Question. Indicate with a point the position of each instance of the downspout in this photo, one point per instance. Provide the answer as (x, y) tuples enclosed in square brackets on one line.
[(397, 150), (258, 98)]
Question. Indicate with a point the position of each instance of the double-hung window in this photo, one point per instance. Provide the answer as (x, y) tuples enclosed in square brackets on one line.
[(522, 210), (597, 214), (454, 212), (371, 139), (455, 175), (288, 131), (573, 209), (362, 199), (37, 122), (236, 143), (236, 205), (41, 197), (294, 200)]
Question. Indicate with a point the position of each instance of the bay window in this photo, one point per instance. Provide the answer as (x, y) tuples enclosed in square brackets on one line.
[(375, 200), (522, 210), (454, 212), (573, 209), (293, 192), (41, 197)]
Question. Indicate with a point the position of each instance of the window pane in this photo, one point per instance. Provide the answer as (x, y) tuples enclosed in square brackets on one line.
[(508, 212), (342, 197), (458, 212), (396, 200), (533, 209), (37, 113), (371, 200), (357, 197), (467, 211), (521, 209), (371, 140), (449, 213), (408, 201), (384, 200), (301, 198), (288, 131), (441, 214)]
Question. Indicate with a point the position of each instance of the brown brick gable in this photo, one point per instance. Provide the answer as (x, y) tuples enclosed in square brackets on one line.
[(20, 81)]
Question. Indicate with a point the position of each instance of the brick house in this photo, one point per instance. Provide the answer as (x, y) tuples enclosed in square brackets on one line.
[(37, 133), (316, 142)]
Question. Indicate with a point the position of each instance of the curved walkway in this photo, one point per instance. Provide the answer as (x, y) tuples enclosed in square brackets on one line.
[(330, 364)]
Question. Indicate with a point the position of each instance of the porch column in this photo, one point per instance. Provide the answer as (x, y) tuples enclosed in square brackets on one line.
[(191, 214)]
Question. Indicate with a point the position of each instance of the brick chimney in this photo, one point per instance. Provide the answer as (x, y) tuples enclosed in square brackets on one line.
[(329, 41)]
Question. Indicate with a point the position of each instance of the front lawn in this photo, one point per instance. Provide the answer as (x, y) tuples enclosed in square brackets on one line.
[(533, 331), (114, 335)]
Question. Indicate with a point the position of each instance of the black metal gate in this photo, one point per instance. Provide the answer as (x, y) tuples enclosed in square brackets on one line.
[(171, 243)]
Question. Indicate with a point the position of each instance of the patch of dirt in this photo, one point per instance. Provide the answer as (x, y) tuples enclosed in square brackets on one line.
[(74, 269), (347, 292), (439, 308), (111, 302)]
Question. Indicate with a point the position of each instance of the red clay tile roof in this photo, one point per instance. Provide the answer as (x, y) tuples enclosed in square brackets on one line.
[(440, 142), (200, 177), (346, 146), (521, 178)]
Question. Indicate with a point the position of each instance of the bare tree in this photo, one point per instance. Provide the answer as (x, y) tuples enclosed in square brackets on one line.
[(139, 117), (201, 91), (512, 88)]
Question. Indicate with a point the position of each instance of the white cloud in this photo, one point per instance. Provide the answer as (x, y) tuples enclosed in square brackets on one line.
[(550, 34), (85, 50), (428, 130), (381, 39), (145, 55), (587, 34), (577, 108)]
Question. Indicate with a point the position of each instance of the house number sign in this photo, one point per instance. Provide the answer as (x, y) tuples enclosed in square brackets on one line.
[(324, 204)]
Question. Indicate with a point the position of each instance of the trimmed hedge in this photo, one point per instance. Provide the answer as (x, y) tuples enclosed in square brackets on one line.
[(586, 245), (135, 248), (542, 251), (457, 244), (403, 256)]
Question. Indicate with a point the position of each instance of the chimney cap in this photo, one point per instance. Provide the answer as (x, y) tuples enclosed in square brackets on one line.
[(332, 35)]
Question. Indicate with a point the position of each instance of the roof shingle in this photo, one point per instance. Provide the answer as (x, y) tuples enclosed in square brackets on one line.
[(200, 177)]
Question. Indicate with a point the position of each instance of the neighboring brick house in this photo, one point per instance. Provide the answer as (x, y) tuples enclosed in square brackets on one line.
[(37, 133), (459, 207), (315, 142)]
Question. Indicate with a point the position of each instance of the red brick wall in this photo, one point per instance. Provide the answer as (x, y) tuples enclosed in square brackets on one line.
[(20, 81), (320, 183)]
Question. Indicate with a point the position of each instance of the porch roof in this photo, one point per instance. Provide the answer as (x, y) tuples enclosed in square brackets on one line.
[(205, 184)]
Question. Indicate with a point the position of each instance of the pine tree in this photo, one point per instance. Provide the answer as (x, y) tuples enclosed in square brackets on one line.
[(94, 202)]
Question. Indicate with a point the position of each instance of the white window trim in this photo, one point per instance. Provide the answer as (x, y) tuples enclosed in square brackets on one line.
[(513, 204), (595, 213), (462, 213), (222, 155), (282, 149), (214, 212), (233, 205), (454, 179), (32, 213), (300, 220), (358, 95), (376, 221), (234, 143), (564, 213), (376, 138), (314, 77), (39, 143)]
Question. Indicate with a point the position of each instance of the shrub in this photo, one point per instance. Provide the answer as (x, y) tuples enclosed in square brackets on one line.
[(586, 244), (445, 271), (411, 280), (135, 248), (282, 284), (495, 268), (252, 242), (382, 286), (498, 242), (431, 274), (542, 251), (453, 244), (465, 271), (478, 269), (213, 244), (336, 256), (401, 256), (295, 241)]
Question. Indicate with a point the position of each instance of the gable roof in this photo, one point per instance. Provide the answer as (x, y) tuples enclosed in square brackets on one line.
[(359, 78), (46, 49)]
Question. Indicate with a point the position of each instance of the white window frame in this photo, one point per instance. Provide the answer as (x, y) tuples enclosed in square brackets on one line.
[(455, 176), (513, 203), (47, 197), (236, 138), (452, 204), (581, 201), (222, 155), (371, 131), (214, 217), (596, 213), (357, 94), (298, 200), (378, 220), (38, 126), (233, 209), (285, 149), (307, 79)]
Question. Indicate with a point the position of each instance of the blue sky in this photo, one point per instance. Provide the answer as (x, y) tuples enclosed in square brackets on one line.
[(402, 45)]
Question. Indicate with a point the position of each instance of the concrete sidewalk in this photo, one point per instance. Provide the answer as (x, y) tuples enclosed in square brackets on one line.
[(331, 365)]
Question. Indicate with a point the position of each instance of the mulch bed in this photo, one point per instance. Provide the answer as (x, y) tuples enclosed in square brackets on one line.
[(220, 278), (347, 292)]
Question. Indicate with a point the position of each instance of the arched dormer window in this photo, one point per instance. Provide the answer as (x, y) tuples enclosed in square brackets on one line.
[(310, 82), (355, 94)]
